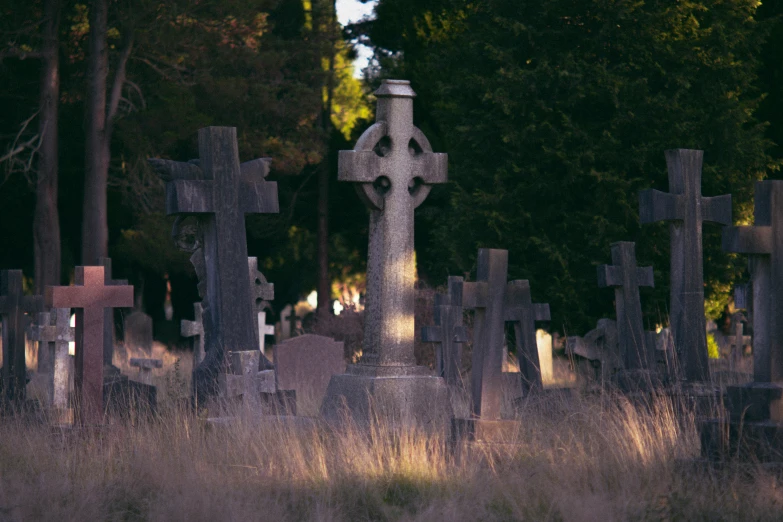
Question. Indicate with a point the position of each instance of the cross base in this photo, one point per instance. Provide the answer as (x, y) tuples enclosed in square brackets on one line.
[(754, 441), (400, 394)]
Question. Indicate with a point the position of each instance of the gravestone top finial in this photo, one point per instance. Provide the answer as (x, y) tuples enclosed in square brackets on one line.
[(395, 89)]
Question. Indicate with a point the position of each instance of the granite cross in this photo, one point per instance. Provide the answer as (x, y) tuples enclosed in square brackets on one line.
[(626, 278), (13, 306), (195, 329), (111, 372), (738, 340), (394, 168), (90, 297), (264, 330), (221, 191), (53, 332), (448, 332), (686, 209), (520, 310), (764, 242)]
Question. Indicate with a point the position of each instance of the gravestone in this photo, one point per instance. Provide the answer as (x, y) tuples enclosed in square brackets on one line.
[(305, 364), (600, 349), (523, 313), (53, 333), (448, 332), (221, 191), (111, 374), (544, 347), (90, 297), (264, 330), (195, 329), (686, 209), (626, 279), (289, 322), (393, 167), (243, 384), (261, 292), (145, 367), (738, 340), (13, 306), (138, 331)]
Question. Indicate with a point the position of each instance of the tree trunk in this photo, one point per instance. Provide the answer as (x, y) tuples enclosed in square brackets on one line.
[(95, 230), (46, 222)]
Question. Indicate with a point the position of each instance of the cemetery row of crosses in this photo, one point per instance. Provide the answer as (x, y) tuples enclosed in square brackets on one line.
[(393, 169)]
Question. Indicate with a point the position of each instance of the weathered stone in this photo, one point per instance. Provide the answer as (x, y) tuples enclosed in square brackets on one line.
[(448, 332), (393, 167), (110, 372), (290, 323), (261, 292), (195, 329), (738, 340), (243, 383), (686, 209), (600, 349), (264, 330), (626, 278), (138, 331), (90, 297), (544, 348), (53, 333), (145, 367), (520, 310), (13, 306), (221, 191), (306, 364)]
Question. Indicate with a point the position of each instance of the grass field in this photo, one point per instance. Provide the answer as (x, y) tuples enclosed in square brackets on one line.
[(591, 458)]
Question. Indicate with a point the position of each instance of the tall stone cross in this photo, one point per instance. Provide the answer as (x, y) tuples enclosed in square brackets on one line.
[(626, 278), (195, 329), (764, 243), (686, 209), (111, 372), (448, 332), (53, 332), (520, 309), (13, 305), (221, 191), (90, 297), (394, 168)]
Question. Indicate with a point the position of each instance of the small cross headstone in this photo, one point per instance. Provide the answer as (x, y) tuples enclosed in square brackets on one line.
[(13, 306), (520, 310), (111, 372), (138, 331), (90, 297), (290, 322), (738, 340), (264, 330), (195, 329), (448, 332), (145, 367), (243, 380), (626, 279), (222, 192), (53, 333), (686, 209)]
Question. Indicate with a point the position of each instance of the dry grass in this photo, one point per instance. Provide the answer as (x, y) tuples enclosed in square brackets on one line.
[(596, 458)]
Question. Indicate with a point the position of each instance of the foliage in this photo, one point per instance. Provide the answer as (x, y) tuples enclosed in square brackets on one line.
[(713, 351)]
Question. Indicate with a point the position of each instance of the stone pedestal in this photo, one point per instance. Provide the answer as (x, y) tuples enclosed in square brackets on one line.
[(407, 394)]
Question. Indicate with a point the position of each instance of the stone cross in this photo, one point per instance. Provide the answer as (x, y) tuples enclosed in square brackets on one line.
[(686, 209), (13, 306), (221, 191), (394, 167), (195, 329), (626, 278), (243, 379), (111, 372), (764, 243), (261, 292), (90, 297), (145, 367), (138, 331), (264, 330), (738, 340), (448, 332), (289, 316), (53, 332), (520, 310)]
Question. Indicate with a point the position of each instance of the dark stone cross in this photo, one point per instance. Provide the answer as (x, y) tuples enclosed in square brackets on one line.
[(53, 332), (394, 168), (221, 191), (686, 209), (764, 243), (626, 278), (110, 372), (448, 332), (738, 340), (13, 306), (90, 297), (195, 329), (520, 310)]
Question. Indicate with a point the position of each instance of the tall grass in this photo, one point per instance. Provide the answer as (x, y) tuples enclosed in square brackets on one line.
[(584, 458)]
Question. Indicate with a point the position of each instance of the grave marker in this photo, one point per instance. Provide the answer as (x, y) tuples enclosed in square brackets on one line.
[(264, 330), (138, 331), (686, 209), (90, 297), (448, 332), (738, 340), (13, 306), (195, 329), (53, 332), (305, 364), (145, 367), (110, 372), (519, 309)]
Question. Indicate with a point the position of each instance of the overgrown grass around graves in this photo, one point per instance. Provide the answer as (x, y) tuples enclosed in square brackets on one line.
[(585, 458)]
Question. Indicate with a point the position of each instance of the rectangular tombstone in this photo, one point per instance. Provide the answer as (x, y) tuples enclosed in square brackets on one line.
[(138, 331), (306, 364)]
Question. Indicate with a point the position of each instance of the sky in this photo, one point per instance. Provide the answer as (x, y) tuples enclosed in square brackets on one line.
[(352, 11)]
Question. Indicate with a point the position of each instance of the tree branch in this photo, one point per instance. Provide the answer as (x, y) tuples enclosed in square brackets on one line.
[(119, 81)]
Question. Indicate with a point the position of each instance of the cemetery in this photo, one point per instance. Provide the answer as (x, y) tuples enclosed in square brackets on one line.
[(286, 292)]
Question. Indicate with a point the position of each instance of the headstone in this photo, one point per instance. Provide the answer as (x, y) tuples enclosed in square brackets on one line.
[(261, 292), (600, 349), (738, 340), (306, 364), (626, 279), (53, 333), (448, 333), (686, 209), (289, 322), (13, 306), (544, 347), (394, 168), (110, 372), (194, 329), (221, 191), (145, 367), (138, 331), (244, 383), (523, 313), (90, 297), (264, 330)]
